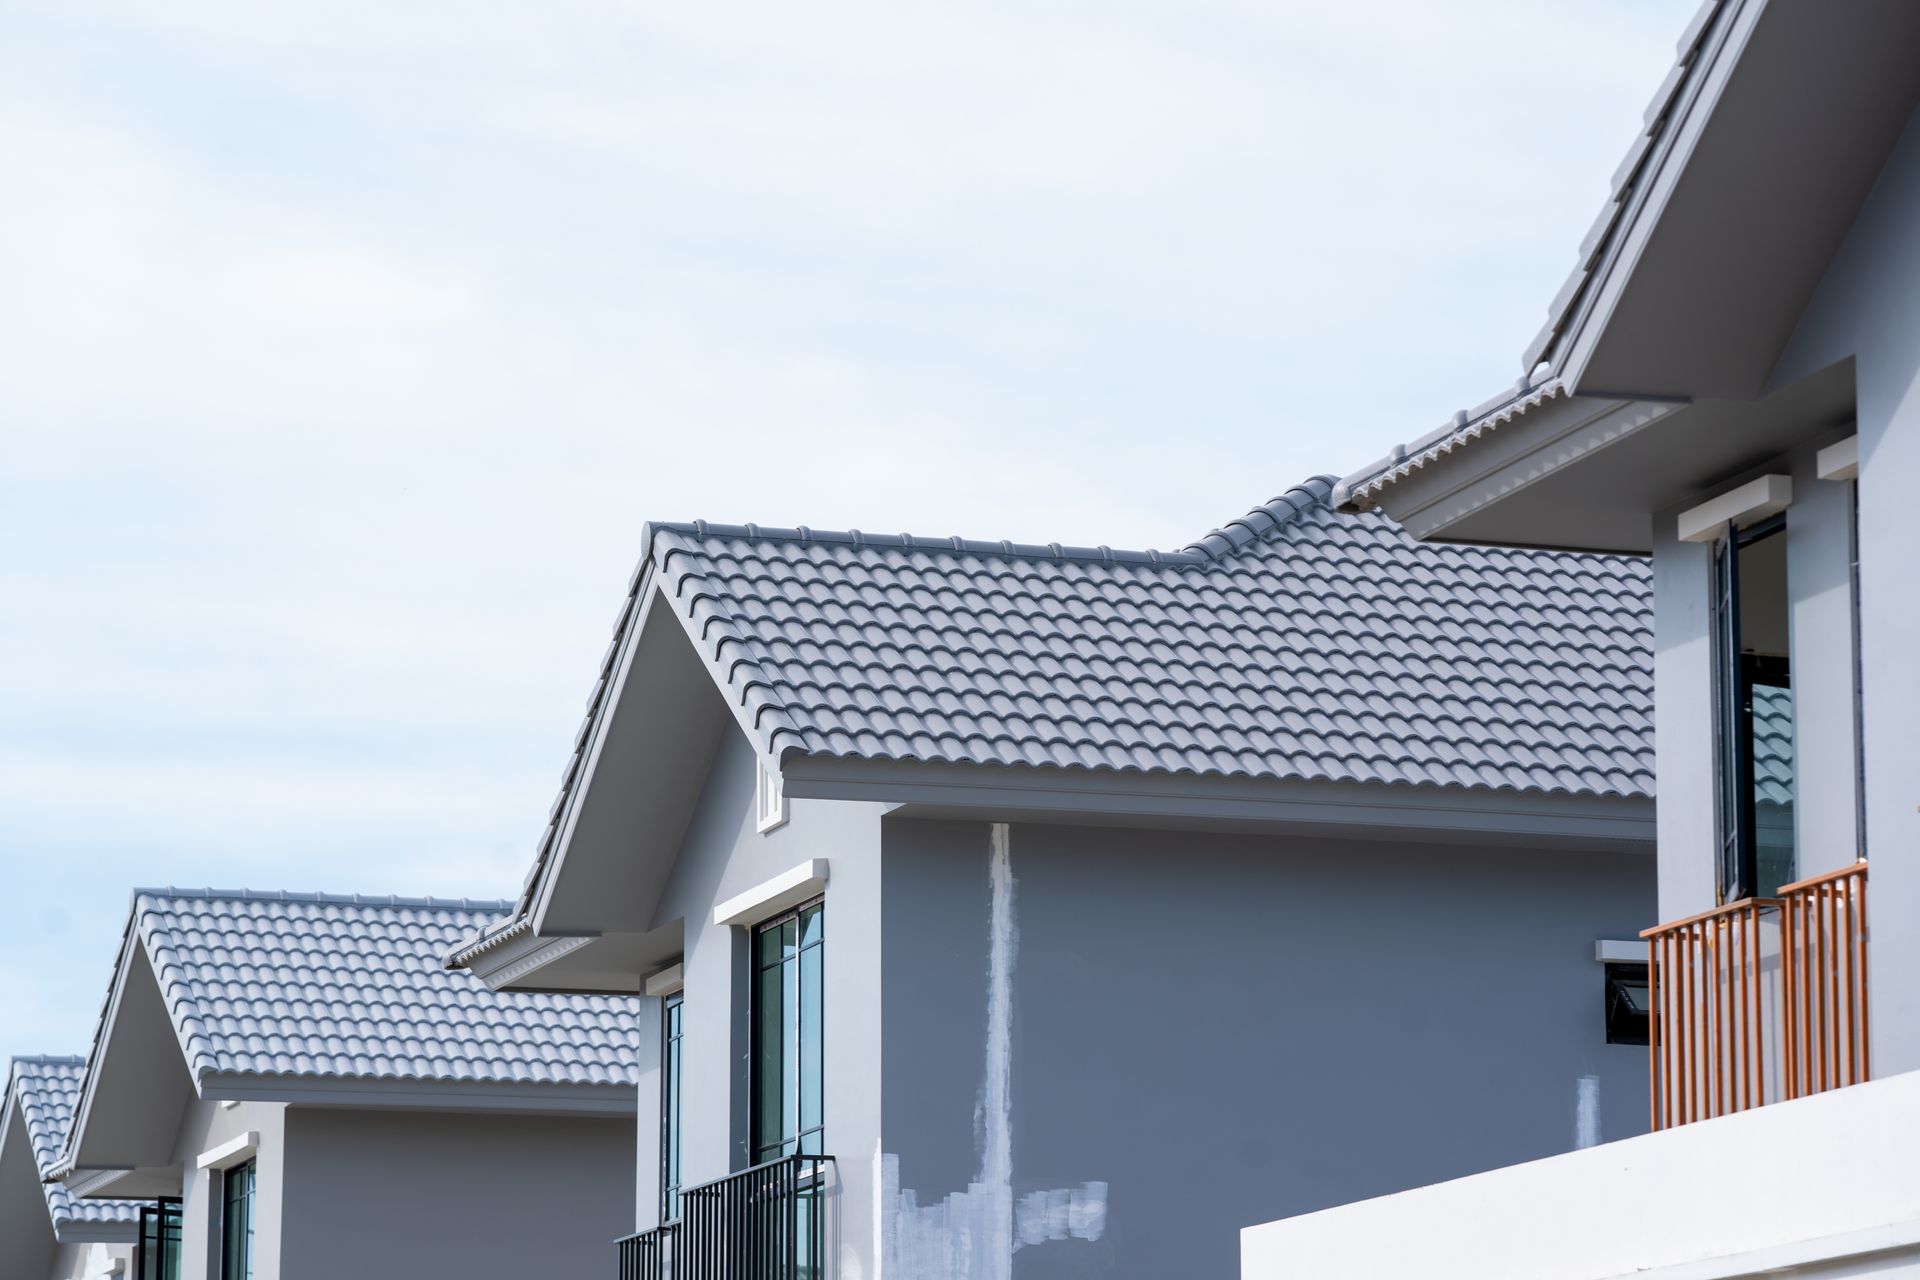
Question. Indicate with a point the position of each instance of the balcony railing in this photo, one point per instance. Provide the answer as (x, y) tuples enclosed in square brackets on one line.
[(1759, 1000), (763, 1223), (1824, 980)]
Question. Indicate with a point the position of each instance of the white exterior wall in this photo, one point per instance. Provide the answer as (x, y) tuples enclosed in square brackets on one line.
[(1868, 308), (723, 855), (90, 1261), (1820, 626), (1824, 1186), (205, 1127)]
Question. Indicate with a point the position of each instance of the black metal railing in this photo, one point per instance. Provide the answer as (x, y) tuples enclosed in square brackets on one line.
[(763, 1223)]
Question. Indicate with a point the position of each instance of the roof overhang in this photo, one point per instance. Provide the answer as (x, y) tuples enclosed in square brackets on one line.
[(1283, 806), (1587, 474), (1796, 110)]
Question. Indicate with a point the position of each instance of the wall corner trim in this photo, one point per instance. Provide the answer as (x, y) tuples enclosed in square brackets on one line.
[(1839, 461), (770, 897), (231, 1152), (1619, 951), (666, 981), (1755, 500)]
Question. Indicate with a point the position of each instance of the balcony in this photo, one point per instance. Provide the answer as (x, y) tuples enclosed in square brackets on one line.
[(1759, 1001), (763, 1223)]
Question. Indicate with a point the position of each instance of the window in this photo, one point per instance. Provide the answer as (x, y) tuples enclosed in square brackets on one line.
[(236, 1223), (1753, 674), (1627, 1004), (156, 1250), (786, 1033), (672, 1025)]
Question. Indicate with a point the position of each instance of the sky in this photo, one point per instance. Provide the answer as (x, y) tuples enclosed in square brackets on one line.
[(348, 346)]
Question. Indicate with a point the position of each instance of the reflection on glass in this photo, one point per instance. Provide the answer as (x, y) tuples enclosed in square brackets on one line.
[(1771, 727)]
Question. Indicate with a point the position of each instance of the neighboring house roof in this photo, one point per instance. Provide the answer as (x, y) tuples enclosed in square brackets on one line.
[(41, 1092), (1290, 644), (324, 998)]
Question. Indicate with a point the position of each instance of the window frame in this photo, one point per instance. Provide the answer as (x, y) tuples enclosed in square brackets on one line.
[(240, 1268), (166, 1214), (1735, 675), (673, 1030), (797, 1138)]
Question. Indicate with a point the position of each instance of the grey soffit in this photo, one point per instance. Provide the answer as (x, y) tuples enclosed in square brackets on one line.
[(1291, 644), (42, 1092), (1541, 359), (331, 987)]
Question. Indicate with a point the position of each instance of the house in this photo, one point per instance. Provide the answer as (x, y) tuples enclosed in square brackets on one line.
[(1727, 388), (46, 1234), (1044, 910), (301, 1091)]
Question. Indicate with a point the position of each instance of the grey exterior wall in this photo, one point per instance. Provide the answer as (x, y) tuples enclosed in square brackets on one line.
[(1868, 307), (722, 855), (414, 1193), (342, 1192), (1228, 1029)]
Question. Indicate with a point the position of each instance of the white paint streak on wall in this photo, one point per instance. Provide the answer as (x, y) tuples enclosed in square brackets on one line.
[(1586, 1113), (972, 1234)]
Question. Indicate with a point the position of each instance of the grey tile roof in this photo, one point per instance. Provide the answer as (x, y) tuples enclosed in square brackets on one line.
[(44, 1091), (1292, 643), (1541, 360), (346, 987)]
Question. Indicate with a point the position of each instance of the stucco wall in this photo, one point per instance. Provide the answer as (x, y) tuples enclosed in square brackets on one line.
[(1868, 307), (487, 1196), (89, 1261), (722, 855), (1208, 1031)]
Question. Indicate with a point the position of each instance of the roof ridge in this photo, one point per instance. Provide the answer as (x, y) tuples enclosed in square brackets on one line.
[(1213, 545), (46, 1060), (319, 898)]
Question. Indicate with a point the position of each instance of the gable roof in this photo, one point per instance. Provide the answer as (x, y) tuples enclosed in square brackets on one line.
[(1291, 644), (317, 998), (1757, 148), (41, 1092)]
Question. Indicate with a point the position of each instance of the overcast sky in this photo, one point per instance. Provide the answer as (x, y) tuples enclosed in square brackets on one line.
[(347, 347)]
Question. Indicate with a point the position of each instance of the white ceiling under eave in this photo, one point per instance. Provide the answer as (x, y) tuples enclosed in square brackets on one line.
[(1592, 481)]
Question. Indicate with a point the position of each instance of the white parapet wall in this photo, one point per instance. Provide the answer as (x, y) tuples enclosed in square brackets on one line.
[(1826, 1187)]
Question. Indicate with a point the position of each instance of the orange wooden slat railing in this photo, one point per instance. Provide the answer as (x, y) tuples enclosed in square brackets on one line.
[(1823, 923), (1709, 1022)]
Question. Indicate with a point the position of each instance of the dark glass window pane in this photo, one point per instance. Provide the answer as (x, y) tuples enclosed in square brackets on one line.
[(808, 1058), (769, 1064), (769, 945), (813, 924)]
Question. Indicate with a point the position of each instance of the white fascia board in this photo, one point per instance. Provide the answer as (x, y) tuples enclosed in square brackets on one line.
[(788, 889), (667, 981), (1839, 461), (231, 1152), (1753, 501), (505, 965), (1619, 951)]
